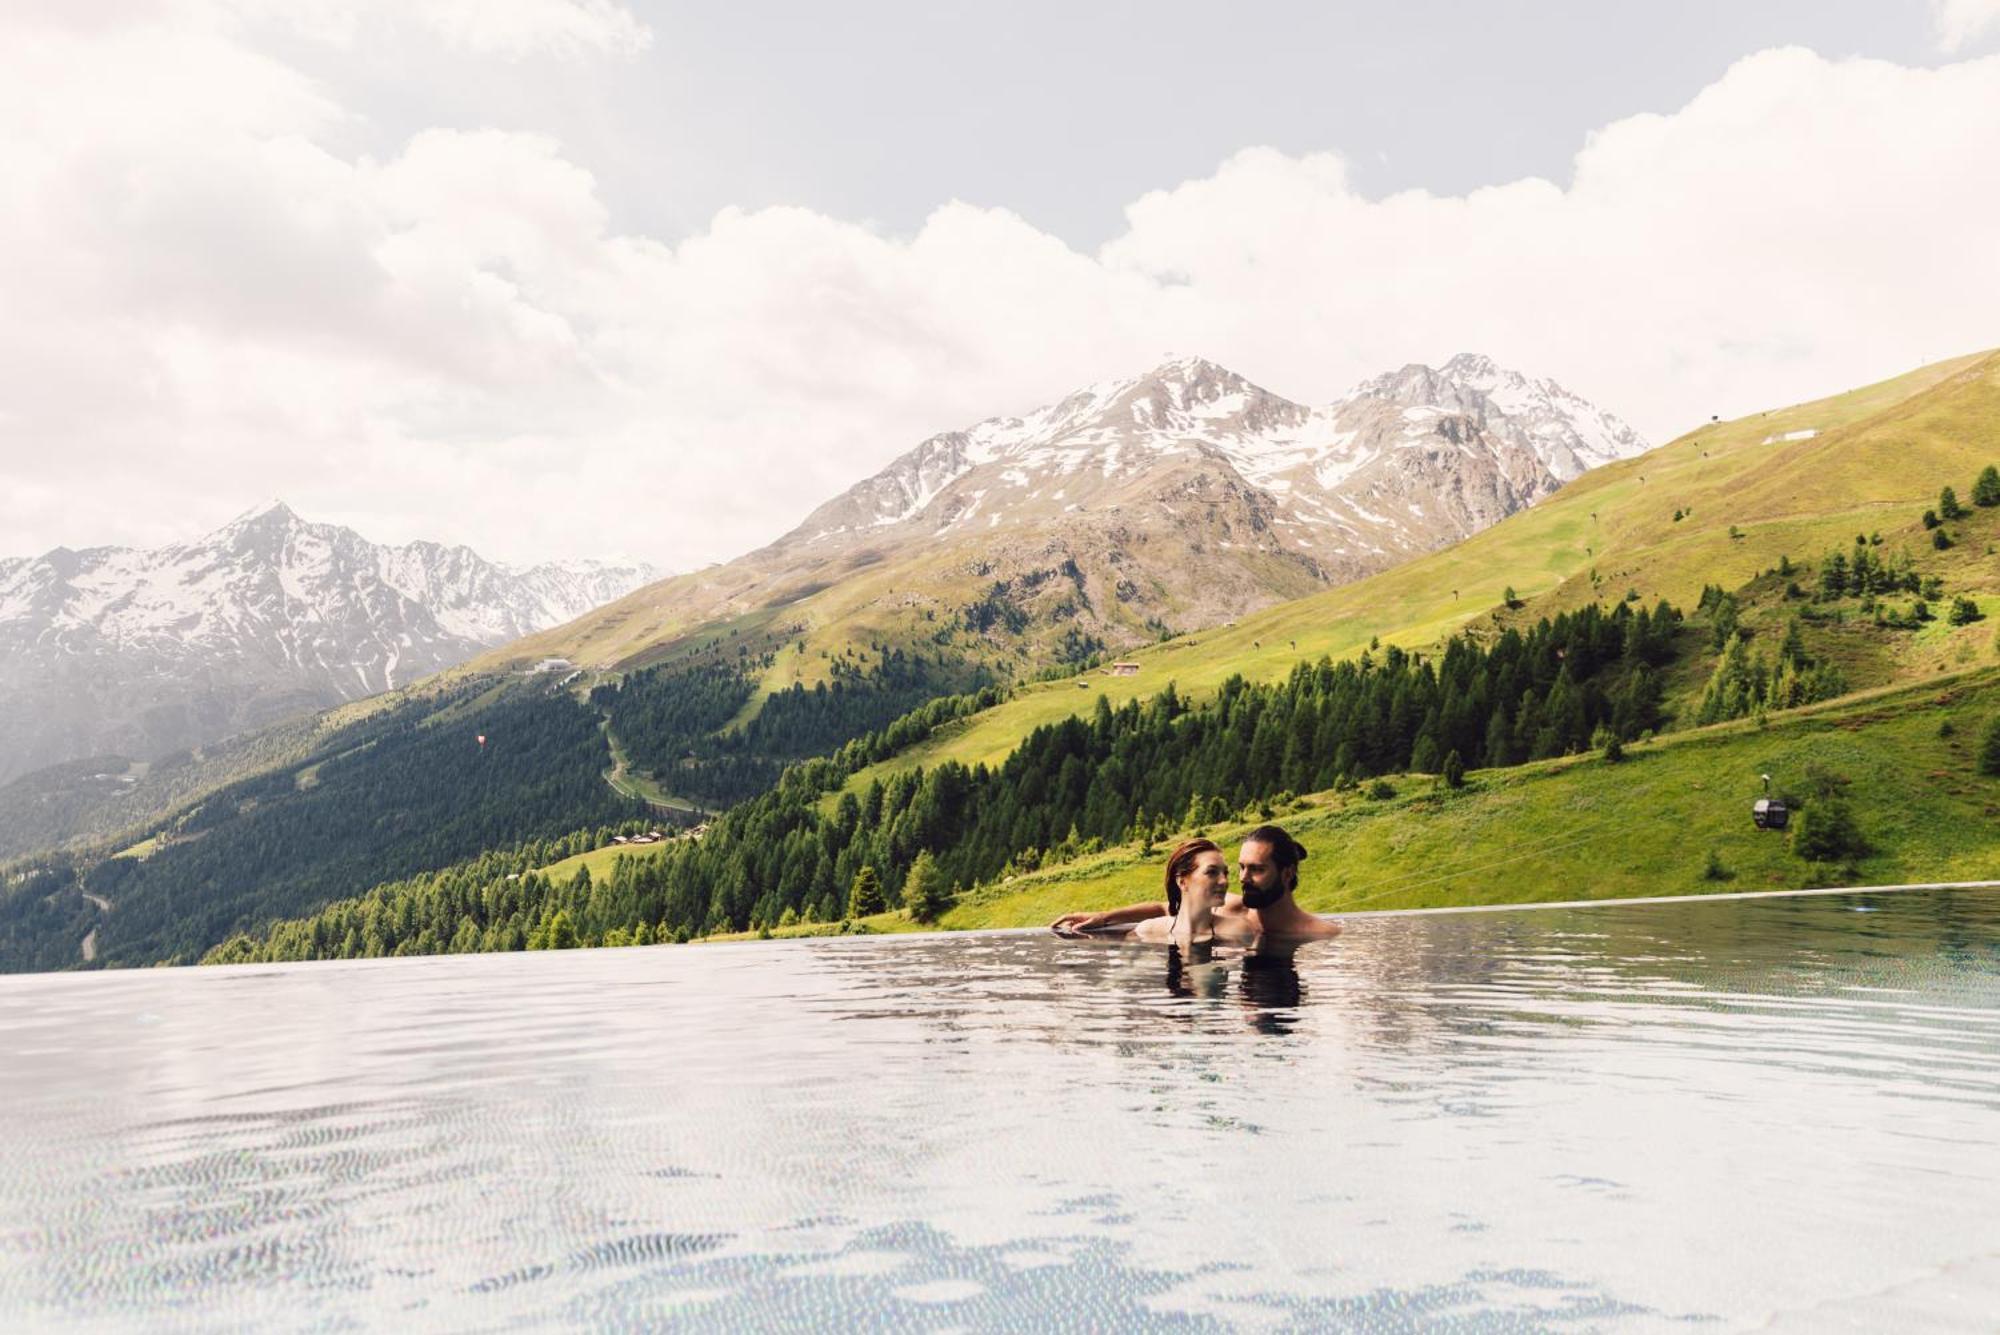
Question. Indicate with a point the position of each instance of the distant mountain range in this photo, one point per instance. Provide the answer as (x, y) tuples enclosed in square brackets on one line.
[(1406, 461), (140, 653), (1166, 501)]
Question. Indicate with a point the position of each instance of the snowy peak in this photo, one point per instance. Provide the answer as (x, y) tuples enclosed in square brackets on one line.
[(1196, 399), (1525, 437), (118, 649), (1565, 432)]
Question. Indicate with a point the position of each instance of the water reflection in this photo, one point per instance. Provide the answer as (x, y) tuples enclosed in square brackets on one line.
[(1508, 1120), (1271, 986)]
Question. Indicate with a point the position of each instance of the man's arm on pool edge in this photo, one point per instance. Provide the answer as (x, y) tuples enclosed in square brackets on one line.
[(1125, 917)]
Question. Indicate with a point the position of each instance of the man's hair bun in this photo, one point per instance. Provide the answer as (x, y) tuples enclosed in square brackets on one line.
[(1285, 850)]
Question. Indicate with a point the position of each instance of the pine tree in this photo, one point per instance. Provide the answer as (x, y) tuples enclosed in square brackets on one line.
[(1986, 491), (1453, 773), (1794, 648), (1197, 813), (1826, 832), (1498, 747), (864, 897), (924, 892), (1948, 506), (1989, 751)]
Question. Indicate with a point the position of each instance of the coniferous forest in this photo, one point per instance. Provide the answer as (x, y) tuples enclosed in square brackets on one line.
[(672, 720), (796, 851), (414, 788)]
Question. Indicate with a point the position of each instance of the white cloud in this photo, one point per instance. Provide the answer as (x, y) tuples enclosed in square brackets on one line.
[(205, 300), (1958, 23)]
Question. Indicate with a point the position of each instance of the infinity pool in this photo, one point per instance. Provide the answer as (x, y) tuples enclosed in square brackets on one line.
[(1747, 1113)]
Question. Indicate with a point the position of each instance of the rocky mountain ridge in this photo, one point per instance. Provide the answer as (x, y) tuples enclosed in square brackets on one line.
[(1407, 461)]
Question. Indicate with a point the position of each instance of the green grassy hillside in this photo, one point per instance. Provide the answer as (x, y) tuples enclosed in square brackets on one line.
[(1583, 828), (1880, 456)]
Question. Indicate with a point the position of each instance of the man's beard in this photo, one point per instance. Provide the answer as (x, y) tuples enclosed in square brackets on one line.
[(1256, 898)]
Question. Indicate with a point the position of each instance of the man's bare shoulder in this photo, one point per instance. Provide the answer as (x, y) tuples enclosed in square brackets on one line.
[(1304, 927)]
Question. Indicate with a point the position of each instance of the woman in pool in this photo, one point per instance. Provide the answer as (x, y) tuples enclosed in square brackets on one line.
[(1197, 879)]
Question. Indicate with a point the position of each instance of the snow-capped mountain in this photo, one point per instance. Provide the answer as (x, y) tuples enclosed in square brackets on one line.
[(1406, 462), (132, 652), (1165, 501)]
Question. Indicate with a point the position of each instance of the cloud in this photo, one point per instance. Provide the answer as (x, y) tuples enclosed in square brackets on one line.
[(205, 299), (1959, 23)]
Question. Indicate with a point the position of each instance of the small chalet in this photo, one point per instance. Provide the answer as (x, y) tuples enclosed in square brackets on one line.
[(1122, 670)]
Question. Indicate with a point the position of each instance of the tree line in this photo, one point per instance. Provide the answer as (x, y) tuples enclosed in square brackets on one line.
[(799, 850), (671, 720)]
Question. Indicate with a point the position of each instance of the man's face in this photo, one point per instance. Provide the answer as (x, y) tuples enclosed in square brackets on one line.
[(1263, 884)]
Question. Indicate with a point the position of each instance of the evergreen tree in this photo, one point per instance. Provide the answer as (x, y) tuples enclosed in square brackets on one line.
[(1826, 832), (1989, 751), (864, 897), (1793, 650), (1453, 773), (924, 892), (1986, 491), (1948, 506)]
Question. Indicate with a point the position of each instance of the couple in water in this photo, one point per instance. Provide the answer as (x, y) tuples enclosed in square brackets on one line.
[(1199, 906)]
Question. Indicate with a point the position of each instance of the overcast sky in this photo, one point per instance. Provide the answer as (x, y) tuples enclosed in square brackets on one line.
[(574, 277)]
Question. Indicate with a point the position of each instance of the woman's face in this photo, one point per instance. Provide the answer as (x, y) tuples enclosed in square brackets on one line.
[(1209, 876)]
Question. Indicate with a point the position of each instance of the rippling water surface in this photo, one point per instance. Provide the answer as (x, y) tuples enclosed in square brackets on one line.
[(1733, 1114)]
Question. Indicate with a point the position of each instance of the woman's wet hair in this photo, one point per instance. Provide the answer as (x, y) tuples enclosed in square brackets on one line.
[(1179, 863), (1286, 852)]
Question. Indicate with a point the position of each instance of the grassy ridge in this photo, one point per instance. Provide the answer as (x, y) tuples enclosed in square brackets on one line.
[(1582, 828), (599, 861), (1880, 456)]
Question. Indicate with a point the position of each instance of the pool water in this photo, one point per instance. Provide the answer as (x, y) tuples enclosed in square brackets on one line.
[(1744, 1113)]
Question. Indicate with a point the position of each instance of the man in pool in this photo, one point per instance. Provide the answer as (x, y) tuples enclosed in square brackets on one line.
[(1269, 866)]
